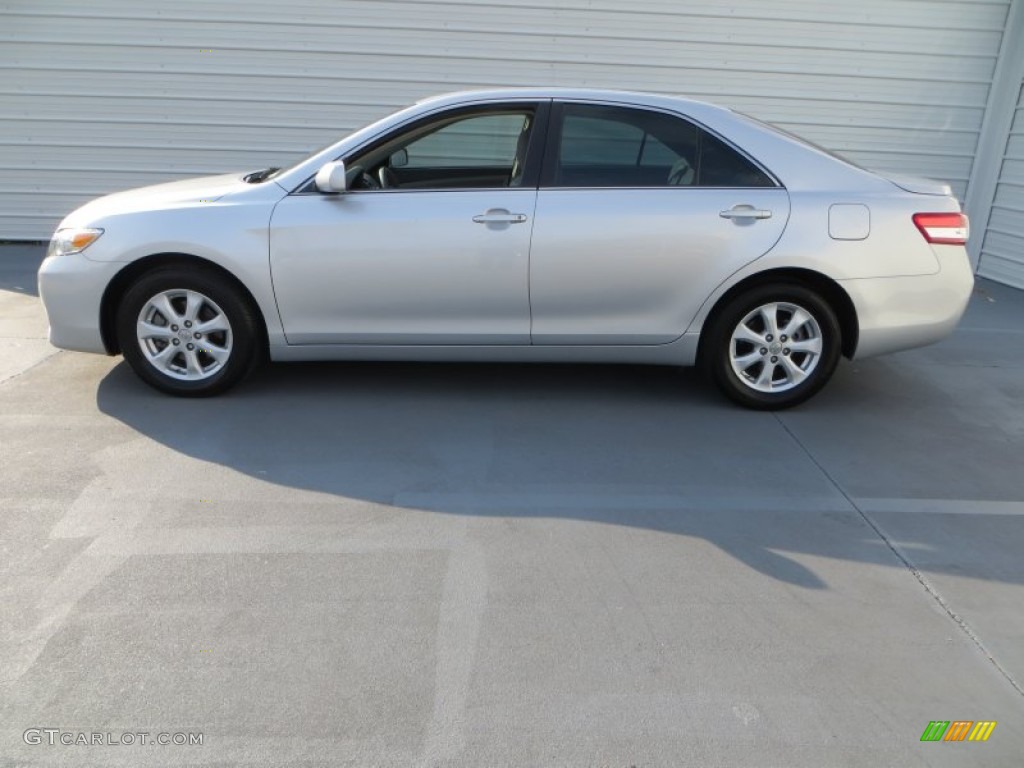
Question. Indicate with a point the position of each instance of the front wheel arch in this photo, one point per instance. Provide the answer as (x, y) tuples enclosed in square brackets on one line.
[(127, 277)]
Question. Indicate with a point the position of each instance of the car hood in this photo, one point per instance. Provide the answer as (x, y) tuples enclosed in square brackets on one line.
[(206, 189)]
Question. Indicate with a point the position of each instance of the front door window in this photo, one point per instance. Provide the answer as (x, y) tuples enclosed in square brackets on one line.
[(476, 151)]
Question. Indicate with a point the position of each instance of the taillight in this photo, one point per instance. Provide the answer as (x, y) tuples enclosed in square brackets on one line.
[(943, 228)]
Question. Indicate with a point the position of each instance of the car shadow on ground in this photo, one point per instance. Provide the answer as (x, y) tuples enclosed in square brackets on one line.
[(647, 447)]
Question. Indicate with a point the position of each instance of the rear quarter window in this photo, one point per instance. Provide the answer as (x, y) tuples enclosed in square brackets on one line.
[(723, 166)]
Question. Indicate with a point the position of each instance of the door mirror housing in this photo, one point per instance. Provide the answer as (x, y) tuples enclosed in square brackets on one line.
[(330, 179)]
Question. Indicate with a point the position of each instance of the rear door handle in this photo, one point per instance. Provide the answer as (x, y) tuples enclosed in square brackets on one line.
[(500, 217), (745, 212)]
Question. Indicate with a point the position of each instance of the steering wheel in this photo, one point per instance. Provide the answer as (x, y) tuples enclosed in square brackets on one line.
[(388, 179)]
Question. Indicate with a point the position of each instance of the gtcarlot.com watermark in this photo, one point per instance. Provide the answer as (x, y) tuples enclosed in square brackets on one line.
[(54, 737)]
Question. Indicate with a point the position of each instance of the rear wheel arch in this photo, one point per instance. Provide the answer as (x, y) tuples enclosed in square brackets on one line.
[(127, 277), (829, 290)]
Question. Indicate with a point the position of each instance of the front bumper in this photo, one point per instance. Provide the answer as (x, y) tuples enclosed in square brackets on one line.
[(71, 288)]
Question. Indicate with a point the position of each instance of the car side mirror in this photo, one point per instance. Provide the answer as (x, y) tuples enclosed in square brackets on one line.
[(330, 179)]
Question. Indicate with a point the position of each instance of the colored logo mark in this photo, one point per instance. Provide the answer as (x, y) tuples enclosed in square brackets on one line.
[(958, 730)]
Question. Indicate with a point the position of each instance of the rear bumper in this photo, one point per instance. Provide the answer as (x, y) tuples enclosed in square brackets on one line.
[(896, 313), (71, 288)]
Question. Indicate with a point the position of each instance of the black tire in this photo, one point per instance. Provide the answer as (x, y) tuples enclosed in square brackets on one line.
[(242, 338), (771, 381)]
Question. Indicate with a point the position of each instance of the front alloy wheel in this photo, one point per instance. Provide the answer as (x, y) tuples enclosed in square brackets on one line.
[(773, 346), (184, 335), (188, 331)]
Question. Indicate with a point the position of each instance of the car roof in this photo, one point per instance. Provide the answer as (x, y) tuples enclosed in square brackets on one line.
[(666, 101), (586, 94)]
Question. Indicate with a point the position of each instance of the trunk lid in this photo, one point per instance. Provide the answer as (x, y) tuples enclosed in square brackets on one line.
[(920, 185)]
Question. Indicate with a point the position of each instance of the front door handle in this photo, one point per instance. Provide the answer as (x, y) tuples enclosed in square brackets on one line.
[(500, 217), (745, 212)]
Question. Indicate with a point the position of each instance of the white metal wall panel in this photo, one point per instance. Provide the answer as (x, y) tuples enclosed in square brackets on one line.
[(110, 94), (1002, 250)]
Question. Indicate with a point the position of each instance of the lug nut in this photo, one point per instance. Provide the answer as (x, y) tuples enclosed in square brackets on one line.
[(176, 342), (774, 359), (764, 350), (198, 335), (785, 351), (769, 337), (188, 324), (190, 346), (174, 327), (781, 338)]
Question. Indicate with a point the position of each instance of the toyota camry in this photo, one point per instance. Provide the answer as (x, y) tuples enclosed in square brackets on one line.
[(525, 225)]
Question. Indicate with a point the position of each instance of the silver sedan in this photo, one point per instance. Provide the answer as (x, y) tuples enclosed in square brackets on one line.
[(521, 225)]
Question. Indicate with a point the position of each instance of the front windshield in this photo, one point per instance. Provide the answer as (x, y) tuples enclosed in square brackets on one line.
[(313, 154), (369, 131), (273, 173)]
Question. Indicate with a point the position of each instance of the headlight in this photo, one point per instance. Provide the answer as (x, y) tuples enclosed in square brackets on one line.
[(74, 240)]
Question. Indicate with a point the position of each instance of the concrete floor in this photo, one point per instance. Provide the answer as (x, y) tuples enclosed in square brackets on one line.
[(441, 565)]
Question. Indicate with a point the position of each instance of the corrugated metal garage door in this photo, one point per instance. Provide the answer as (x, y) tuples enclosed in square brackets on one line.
[(1002, 251), (112, 94)]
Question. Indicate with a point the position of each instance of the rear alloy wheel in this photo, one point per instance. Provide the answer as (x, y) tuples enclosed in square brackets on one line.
[(187, 332), (774, 346)]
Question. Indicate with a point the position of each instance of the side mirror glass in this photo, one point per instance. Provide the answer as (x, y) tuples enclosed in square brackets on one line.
[(330, 179), (399, 159)]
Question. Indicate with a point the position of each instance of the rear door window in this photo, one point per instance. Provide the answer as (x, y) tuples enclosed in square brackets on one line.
[(606, 146)]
